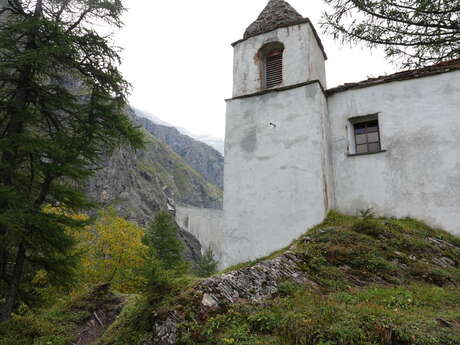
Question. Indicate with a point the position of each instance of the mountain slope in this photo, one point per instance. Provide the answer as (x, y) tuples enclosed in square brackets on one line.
[(348, 281), (200, 156), (139, 183)]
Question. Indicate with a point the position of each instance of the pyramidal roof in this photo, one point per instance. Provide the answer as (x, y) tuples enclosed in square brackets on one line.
[(277, 13)]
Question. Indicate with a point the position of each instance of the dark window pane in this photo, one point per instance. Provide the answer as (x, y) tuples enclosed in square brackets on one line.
[(367, 136), (373, 137), (361, 139), (375, 147), (361, 148)]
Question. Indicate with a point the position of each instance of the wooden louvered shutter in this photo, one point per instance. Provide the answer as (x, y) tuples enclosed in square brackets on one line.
[(274, 68)]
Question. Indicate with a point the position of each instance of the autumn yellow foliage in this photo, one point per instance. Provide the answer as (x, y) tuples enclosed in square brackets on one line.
[(113, 252)]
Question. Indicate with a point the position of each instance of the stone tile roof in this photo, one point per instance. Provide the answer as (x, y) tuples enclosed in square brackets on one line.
[(277, 13), (443, 67)]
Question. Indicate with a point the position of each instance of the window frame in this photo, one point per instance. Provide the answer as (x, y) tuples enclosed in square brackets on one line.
[(352, 134), (263, 55), (273, 75)]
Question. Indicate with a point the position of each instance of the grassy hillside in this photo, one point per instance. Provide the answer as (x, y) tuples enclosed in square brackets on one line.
[(348, 281)]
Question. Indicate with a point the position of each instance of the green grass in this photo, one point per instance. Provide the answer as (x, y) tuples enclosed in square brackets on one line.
[(379, 285), (371, 316), (346, 250)]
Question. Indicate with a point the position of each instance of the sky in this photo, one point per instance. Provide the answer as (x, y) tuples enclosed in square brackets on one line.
[(178, 57)]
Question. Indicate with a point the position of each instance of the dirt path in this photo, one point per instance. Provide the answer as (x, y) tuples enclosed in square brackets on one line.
[(104, 307)]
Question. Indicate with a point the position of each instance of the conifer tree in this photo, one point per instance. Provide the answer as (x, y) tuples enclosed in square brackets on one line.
[(414, 32), (207, 265), (62, 101), (162, 236)]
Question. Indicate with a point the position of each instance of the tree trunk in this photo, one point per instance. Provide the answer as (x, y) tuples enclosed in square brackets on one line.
[(7, 308)]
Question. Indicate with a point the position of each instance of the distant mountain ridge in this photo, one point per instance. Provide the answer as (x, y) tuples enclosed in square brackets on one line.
[(200, 156), (215, 142)]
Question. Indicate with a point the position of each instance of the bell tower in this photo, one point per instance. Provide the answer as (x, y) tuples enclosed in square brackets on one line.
[(277, 170), (278, 25)]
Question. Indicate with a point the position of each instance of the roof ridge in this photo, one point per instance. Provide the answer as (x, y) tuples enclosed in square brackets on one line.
[(439, 68)]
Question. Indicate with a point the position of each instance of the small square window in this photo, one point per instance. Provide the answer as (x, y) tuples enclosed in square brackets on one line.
[(367, 137)]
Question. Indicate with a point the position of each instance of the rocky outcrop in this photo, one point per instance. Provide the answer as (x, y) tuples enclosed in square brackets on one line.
[(192, 246), (253, 284), (200, 156)]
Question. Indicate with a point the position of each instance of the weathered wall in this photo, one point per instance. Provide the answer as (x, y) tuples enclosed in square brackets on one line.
[(303, 59), (419, 175), (205, 224), (275, 176)]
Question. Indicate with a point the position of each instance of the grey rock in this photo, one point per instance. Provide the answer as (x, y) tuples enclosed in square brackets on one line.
[(444, 262), (166, 331), (209, 301), (443, 244), (192, 246), (253, 284)]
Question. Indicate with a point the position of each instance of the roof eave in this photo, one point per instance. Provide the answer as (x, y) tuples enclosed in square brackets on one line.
[(403, 77)]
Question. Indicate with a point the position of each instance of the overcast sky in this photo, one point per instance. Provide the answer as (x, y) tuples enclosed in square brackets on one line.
[(178, 57)]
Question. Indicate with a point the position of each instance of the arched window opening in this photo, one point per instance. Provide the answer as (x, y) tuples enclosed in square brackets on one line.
[(271, 56), (274, 68)]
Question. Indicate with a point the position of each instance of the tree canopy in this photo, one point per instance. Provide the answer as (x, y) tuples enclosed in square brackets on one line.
[(62, 109), (413, 32), (112, 252)]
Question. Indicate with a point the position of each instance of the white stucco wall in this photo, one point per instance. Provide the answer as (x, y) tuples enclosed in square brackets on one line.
[(303, 59), (419, 175), (274, 176), (205, 224)]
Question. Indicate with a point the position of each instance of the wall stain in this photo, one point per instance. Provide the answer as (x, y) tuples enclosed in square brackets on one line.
[(249, 142)]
